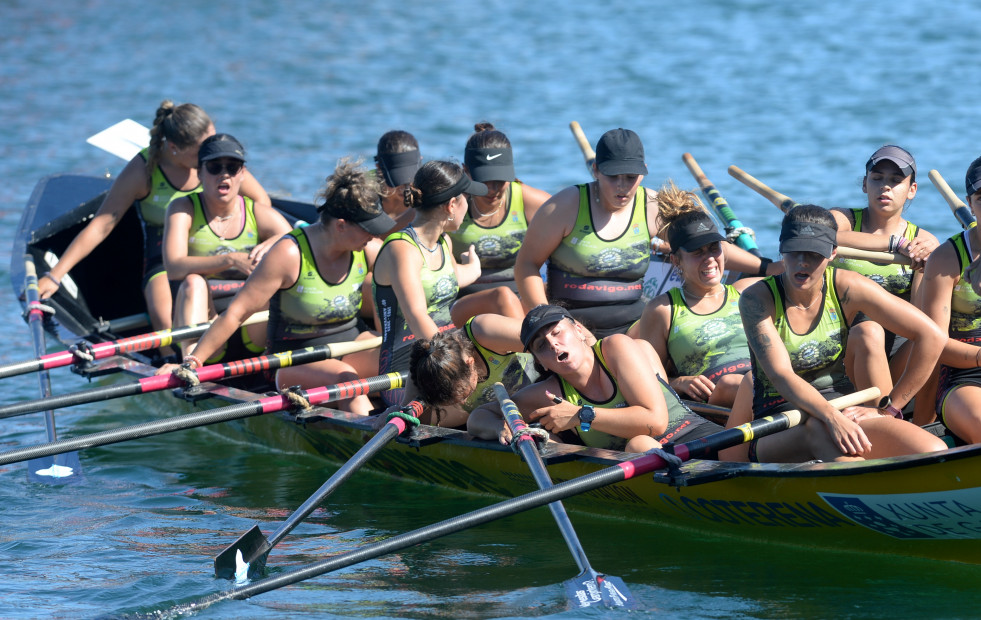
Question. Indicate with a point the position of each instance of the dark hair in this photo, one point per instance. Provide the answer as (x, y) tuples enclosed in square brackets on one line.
[(485, 136), (431, 178), (397, 141), (439, 370), (348, 189), (812, 214), (182, 125)]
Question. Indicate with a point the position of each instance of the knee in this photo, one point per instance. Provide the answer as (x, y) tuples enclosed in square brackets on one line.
[(866, 337), (194, 285)]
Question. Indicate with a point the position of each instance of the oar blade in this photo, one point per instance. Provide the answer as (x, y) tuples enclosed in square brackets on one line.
[(254, 548), (57, 469), (590, 588)]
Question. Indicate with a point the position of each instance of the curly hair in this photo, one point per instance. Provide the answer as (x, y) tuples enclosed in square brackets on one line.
[(349, 189)]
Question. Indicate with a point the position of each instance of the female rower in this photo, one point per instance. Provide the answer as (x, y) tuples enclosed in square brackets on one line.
[(397, 159), (696, 328), (890, 185), (797, 325), (311, 280), (597, 240), (215, 238), (951, 301), (159, 174), (416, 278), (454, 372), (600, 392), (494, 224)]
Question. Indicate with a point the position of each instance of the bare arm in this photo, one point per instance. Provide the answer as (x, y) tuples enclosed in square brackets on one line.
[(858, 293), (279, 272), (131, 185), (253, 189), (271, 227), (551, 224), (500, 334), (757, 309), (941, 274), (533, 199), (402, 263)]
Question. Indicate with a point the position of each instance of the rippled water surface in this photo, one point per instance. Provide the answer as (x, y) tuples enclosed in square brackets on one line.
[(798, 94)]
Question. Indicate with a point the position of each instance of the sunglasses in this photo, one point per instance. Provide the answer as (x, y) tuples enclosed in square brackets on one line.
[(216, 167)]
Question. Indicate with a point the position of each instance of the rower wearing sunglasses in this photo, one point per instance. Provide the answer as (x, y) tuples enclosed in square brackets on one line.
[(214, 239)]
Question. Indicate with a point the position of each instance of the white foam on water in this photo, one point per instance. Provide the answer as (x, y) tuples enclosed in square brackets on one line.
[(56, 471)]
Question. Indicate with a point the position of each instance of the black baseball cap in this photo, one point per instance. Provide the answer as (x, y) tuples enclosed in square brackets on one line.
[(694, 233), (375, 221), (807, 237), (897, 155), (620, 151), (490, 164), (221, 145), (399, 168), (972, 181), (539, 317)]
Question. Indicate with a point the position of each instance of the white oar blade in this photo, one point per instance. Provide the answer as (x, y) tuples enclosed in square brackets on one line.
[(124, 139)]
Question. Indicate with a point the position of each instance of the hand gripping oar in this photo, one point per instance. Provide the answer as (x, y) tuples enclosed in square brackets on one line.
[(589, 587), (617, 473), (248, 554), (213, 372), (315, 396), (782, 202), (102, 350), (732, 224), (587, 151), (961, 211), (66, 467)]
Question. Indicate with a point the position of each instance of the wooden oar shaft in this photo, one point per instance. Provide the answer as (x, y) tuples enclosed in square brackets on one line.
[(720, 205), (317, 396), (587, 150), (781, 201), (961, 211), (590, 482), (213, 372), (877, 257)]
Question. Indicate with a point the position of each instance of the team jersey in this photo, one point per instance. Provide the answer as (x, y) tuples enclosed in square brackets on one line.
[(897, 279), (713, 345), (313, 307), (514, 370), (496, 246), (818, 356), (586, 270), (203, 241)]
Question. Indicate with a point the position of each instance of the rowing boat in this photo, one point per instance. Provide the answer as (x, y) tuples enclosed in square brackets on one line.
[(927, 506)]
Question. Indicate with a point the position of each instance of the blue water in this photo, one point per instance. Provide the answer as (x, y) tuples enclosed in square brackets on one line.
[(797, 94)]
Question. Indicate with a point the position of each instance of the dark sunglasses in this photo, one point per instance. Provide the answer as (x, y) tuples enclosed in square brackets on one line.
[(215, 167)]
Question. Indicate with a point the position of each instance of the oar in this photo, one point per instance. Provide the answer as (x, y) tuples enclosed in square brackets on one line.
[(124, 139), (617, 473), (589, 587), (66, 467), (961, 211), (315, 396), (248, 554), (102, 350), (587, 151), (715, 413), (869, 255), (782, 202), (213, 372), (725, 212)]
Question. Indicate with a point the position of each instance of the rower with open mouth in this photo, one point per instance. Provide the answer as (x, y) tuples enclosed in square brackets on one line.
[(797, 325), (212, 243)]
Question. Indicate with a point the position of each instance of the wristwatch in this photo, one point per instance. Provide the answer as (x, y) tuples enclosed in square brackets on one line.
[(886, 405), (586, 417)]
